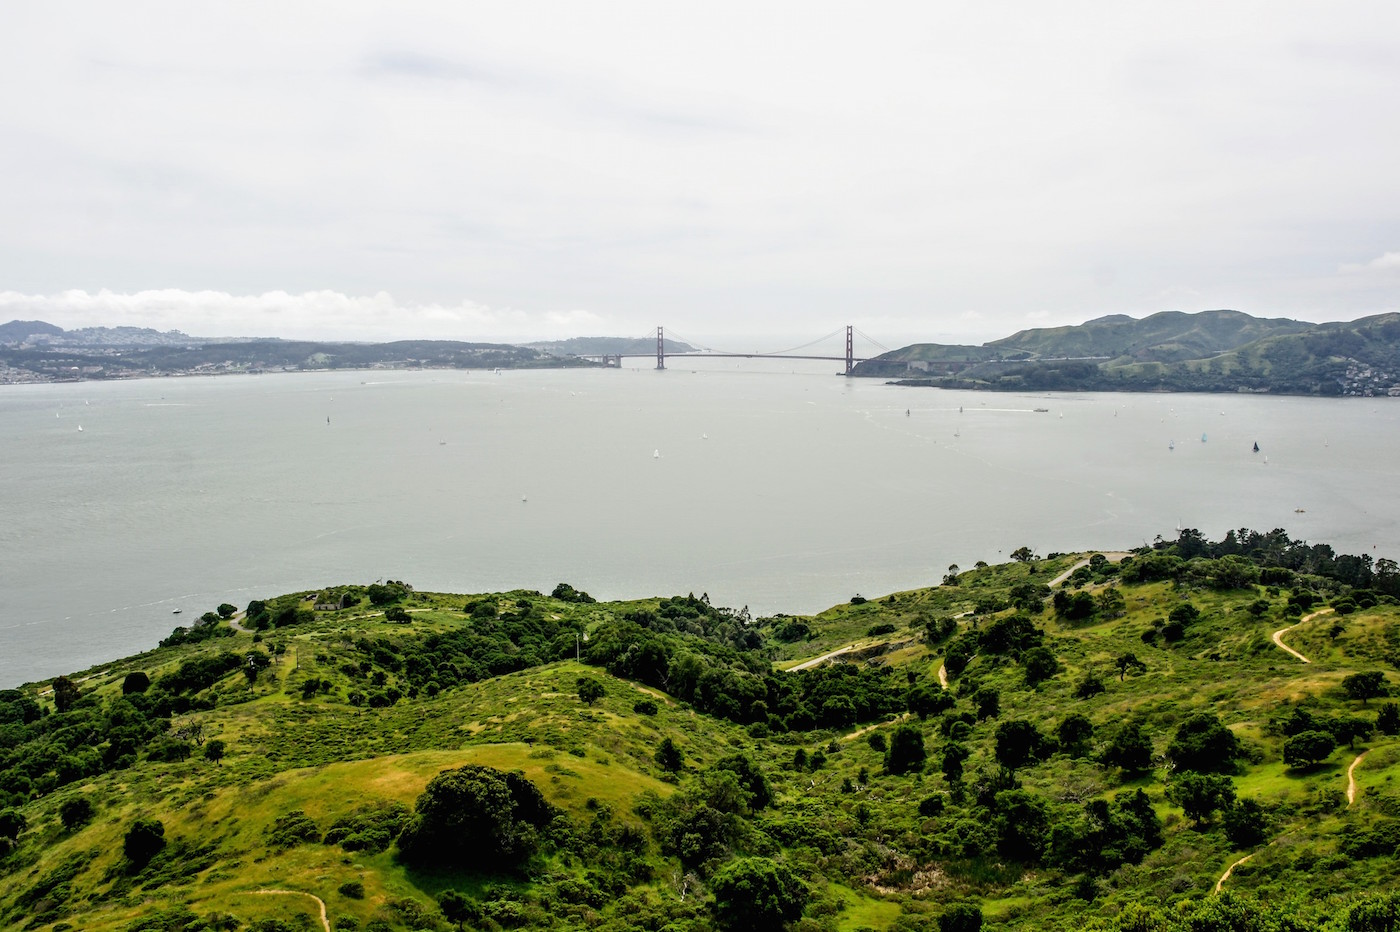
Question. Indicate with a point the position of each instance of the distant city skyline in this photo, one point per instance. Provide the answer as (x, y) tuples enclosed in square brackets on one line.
[(928, 172)]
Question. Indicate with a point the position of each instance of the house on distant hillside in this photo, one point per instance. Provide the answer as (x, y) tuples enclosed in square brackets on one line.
[(334, 601)]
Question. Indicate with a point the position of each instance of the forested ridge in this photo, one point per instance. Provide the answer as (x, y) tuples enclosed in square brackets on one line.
[(1104, 749)]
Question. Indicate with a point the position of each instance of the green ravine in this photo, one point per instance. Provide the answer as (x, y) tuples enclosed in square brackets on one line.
[(1123, 740)]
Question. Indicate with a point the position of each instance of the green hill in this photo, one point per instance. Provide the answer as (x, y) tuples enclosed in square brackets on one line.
[(1115, 733), (1170, 351)]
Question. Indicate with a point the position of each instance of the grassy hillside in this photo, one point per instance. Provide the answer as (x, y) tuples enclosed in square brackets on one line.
[(1209, 351), (1104, 749)]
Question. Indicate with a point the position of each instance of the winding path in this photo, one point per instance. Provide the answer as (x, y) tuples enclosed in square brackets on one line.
[(1114, 557), (1351, 777), (817, 661), (1278, 635), (943, 675), (1230, 870), (319, 902)]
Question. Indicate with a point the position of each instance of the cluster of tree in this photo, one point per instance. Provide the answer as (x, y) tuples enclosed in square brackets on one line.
[(1277, 560)]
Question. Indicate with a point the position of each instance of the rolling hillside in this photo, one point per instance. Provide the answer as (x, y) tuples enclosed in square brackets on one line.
[(1061, 742), (1170, 351)]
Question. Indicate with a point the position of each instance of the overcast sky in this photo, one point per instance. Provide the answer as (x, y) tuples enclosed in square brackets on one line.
[(464, 170)]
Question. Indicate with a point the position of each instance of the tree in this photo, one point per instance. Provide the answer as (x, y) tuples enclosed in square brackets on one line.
[(12, 822), (1245, 823), (1040, 665), (1308, 748), (254, 663), (1022, 555), (1111, 603), (1017, 744), (1204, 745), (590, 690), (475, 816), (65, 693), (960, 917), (143, 840), (877, 742), (1089, 686), (1074, 733), (457, 907), (757, 895), (750, 778), (1388, 719), (1363, 686), (668, 756), (953, 756), (214, 751), (987, 702), (1022, 826), (1130, 749), (227, 611), (75, 812), (135, 682), (1200, 794), (1126, 662), (906, 750), (1350, 727), (1184, 614)]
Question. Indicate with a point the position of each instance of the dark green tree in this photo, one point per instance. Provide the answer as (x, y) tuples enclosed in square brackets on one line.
[(590, 690), (668, 756), (1126, 662), (12, 822), (954, 755), (135, 682), (1075, 733), (1200, 794), (1129, 750), (1040, 664), (906, 750), (75, 812), (1022, 826), (214, 751), (227, 611), (143, 840), (1388, 719), (987, 701), (1350, 727), (1089, 686), (1204, 745), (1363, 686), (960, 917), (475, 816), (65, 693), (756, 895), (1245, 824), (1308, 748), (1018, 743), (457, 907), (750, 777)]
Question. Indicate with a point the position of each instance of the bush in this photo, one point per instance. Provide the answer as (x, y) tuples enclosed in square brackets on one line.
[(143, 840), (75, 812), (352, 889), (476, 816), (645, 707)]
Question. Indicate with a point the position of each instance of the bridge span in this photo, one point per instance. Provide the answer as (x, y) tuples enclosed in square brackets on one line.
[(615, 359)]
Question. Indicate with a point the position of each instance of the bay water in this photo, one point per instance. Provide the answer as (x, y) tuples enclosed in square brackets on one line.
[(775, 485)]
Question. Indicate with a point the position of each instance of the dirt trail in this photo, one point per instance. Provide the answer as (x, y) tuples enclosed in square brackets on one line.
[(943, 675), (1351, 777), (1114, 557), (1230, 870), (817, 661), (869, 728), (325, 921), (1278, 635)]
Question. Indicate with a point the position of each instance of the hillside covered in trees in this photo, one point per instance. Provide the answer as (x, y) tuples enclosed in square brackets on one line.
[(1199, 735), (1212, 351)]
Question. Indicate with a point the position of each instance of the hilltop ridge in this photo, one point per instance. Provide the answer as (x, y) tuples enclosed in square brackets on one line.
[(1168, 351)]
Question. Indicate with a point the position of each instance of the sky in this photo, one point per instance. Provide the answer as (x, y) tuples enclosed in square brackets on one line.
[(926, 171)]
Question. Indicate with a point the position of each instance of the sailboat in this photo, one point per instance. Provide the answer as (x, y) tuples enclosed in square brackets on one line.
[(656, 454), (80, 428), (1171, 444), (1203, 438), (1256, 446)]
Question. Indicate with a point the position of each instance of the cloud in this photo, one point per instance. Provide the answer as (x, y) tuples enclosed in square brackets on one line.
[(1387, 262), (309, 315)]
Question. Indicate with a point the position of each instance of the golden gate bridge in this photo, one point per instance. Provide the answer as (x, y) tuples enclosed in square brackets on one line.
[(707, 352)]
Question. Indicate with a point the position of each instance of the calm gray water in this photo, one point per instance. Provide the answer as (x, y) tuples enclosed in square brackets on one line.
[(779, 490)]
